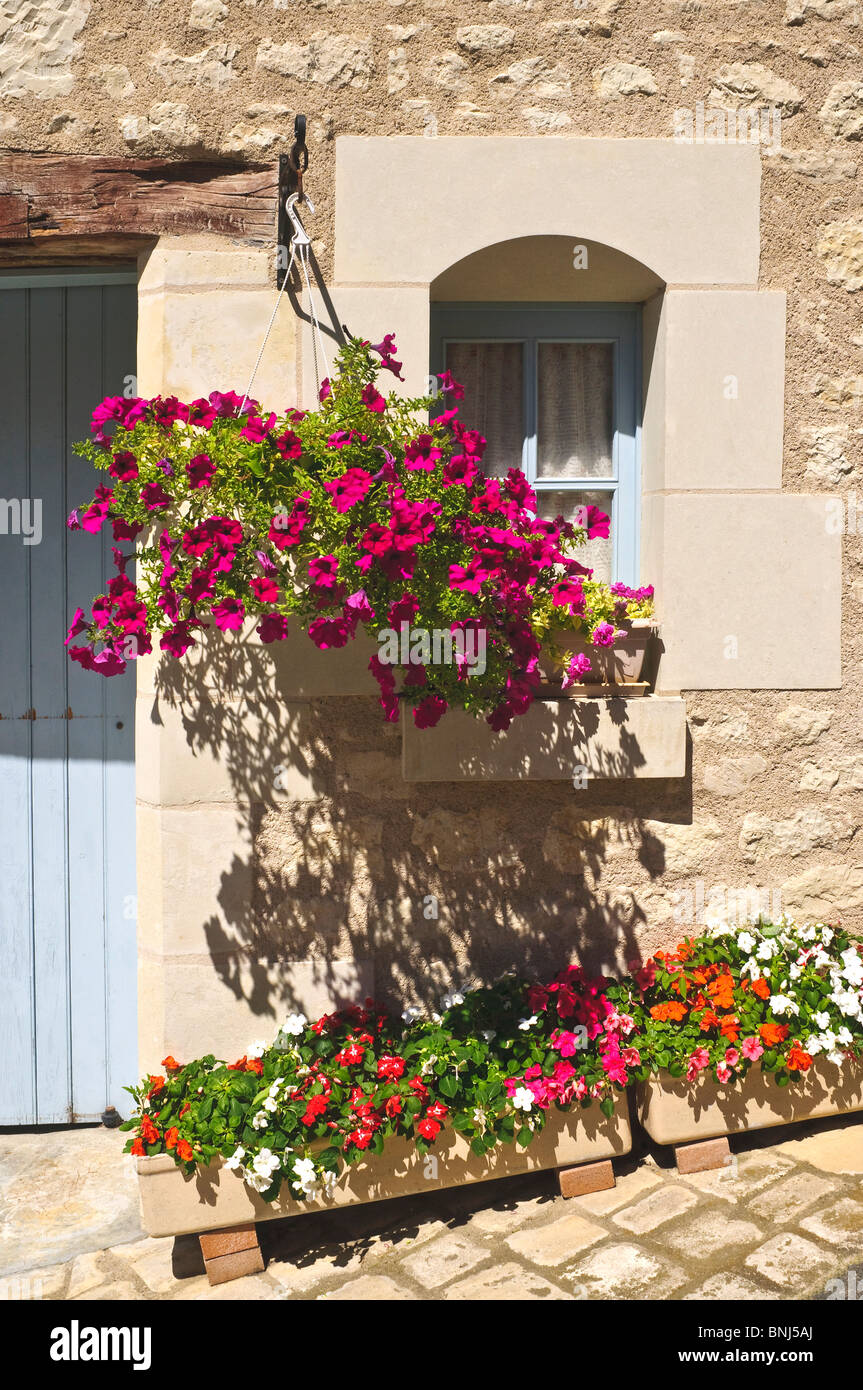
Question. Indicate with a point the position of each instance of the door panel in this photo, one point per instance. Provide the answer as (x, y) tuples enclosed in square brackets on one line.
[(67, 947)]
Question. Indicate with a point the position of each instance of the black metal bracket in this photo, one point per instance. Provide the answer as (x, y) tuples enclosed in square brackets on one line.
[(292, 166)]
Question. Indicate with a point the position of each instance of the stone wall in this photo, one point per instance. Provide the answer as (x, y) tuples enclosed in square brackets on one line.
[(342, 864)]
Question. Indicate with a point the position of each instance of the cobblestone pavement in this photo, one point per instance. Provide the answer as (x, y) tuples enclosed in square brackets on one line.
[(785, 1221)]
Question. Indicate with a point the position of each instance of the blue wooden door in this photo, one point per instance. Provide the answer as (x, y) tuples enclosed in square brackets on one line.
[(67, 821)]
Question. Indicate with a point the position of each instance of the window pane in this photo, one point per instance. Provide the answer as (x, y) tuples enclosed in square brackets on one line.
[(491, 374), (575, 409), (598, 553)]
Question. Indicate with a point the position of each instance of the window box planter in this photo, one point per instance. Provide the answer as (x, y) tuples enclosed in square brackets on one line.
[(215, 1197), (618, 665), (677, 1111)]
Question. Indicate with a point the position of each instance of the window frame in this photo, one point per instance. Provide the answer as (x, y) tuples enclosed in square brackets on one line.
[(532, 324)]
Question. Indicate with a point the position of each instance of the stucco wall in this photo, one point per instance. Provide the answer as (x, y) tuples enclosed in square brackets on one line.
[(333, 860)]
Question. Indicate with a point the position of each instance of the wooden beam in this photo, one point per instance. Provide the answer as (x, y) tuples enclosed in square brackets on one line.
[(45, 196)]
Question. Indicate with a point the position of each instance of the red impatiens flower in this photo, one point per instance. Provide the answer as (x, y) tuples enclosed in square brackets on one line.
[(169, 1064), (138, 1149), (350, 1056), (149, 1132), (390, 1068), (429, 1129), (315, 1107), (172, 1135), (437, 1111)]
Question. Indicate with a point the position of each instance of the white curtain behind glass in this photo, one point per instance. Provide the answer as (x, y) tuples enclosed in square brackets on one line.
[(492, 377), (574, 436)]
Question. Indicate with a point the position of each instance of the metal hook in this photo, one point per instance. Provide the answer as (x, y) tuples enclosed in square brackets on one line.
[(300, 236)]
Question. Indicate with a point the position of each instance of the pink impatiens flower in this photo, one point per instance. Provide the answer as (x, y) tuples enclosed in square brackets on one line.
[(698, 1060), (751, 1049)]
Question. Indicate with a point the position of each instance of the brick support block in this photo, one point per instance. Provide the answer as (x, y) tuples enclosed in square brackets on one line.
[(698, 1158), (587, 1177), (231, 1253)]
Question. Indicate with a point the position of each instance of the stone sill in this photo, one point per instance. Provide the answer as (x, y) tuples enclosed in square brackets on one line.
[(613, 739)]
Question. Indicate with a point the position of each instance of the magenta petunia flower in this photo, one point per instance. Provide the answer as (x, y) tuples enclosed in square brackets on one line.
[(403, 610), (200, 470), (450, 386), (123, 466), (228, 614), (330, 632), (265, 589), (154, 497), (372, 399), (227, 403), (93, 516), (177, 640), (273, 628), (461, 468), (429, 711), (257, 430), (422, 454), (349, 489), (79, 624), (289, 445), (358, 607), (326, 389), (324, 571)]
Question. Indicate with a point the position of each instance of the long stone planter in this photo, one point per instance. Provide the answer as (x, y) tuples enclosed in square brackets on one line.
[(216, 1197), (676, 1111)]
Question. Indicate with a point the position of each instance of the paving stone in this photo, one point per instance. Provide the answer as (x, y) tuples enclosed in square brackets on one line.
[(655, 1210), (620, 1271), (785, 1201), (299, 1278), (833, 1150), (252, 1286), (747, 1174), (122, 1292), (791, 1262), (443, 1260), (371, 1288), (557, 1241), (505, 1283), (629, 1186), (709, 1233), (840, 1225), (500, 1219), (727, 1287), (152, 1261), (35, 1284), (86, 1274)]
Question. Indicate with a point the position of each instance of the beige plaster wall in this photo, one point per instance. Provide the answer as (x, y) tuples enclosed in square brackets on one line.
[(300, 886)]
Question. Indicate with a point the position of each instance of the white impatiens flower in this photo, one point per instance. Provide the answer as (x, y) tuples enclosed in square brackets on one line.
[(236, 1160), (294, 1024), (263, 1166), (780, 1004), (822, 1019), (305, 1177), (852, 966), (827, 935), (450, 1001), (767, 949), (523, 1099), (427, 1065), (269, 1105), (813, 1046), (746, 942), (261, 1120), (488, 1034), (257, 1049), (330, 1180), (526, 1023), (412, 1013), (844, 1037)]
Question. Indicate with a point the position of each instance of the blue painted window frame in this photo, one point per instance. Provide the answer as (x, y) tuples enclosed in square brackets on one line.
[(534, 323)]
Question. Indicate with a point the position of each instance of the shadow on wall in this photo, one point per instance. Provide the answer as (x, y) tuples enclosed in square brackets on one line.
[(356, 880)]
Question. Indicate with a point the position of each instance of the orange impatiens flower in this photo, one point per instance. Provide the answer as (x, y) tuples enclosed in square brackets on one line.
[(171, 1137), (169, 1064), (772, 1034), (721, 991), (797, 1059), (708, 1020), (138, 1149), (761, 988), (669, 1012), (730, 1028)]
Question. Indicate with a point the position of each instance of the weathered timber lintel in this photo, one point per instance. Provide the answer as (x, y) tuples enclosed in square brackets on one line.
[(43, 196)]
